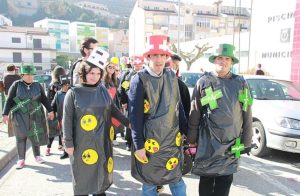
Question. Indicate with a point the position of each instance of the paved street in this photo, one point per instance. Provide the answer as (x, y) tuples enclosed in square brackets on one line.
[(278, 174)]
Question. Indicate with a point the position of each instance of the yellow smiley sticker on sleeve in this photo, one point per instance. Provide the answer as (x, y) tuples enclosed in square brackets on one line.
[(125, 85), (178, 139), (110, 165), (111, 133), (172, 163), (151, 146), (146, 106)]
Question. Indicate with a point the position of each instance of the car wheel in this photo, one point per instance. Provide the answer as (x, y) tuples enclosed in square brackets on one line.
[(259, 138)]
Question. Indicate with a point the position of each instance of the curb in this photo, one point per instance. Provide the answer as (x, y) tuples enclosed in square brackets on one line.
[(8, 149)]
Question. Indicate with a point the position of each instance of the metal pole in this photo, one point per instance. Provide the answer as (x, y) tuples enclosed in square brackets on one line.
[(250, 37), (234, 22), (240, 37), (178, 33)]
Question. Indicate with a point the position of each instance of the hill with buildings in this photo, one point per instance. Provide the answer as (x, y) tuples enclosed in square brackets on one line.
[(26, 13)]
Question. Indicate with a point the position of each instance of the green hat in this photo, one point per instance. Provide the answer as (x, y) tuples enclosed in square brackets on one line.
[(28, 69), (224, 50)]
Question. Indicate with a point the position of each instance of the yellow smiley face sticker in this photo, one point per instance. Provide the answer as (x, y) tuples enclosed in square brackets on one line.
[(178, 139), (146, 106), (110, 165), (172, 163), (125, 85), (111, 133), (88, 122), (89, 156), (151, 146)]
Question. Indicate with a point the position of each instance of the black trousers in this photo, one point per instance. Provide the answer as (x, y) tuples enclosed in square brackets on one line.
[(50, 141), (215, 186), (128, 137)]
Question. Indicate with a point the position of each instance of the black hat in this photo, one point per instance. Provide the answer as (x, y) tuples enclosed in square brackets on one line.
[(64, 79)]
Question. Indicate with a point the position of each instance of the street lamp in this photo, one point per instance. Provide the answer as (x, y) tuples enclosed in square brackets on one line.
[(178, 33)]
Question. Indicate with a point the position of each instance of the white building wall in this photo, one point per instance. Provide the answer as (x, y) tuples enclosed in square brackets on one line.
[(241, 42), (137, 31), (272, 36), (25, 47)]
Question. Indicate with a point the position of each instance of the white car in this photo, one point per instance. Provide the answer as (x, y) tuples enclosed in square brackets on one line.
[(190, 79), (276, 114)]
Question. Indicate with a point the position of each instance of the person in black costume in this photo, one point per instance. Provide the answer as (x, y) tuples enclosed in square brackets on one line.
[(26, 115), (87, 128), (220, 123)]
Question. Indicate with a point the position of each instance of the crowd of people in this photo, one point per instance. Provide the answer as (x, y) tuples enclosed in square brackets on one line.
[(90, 105)]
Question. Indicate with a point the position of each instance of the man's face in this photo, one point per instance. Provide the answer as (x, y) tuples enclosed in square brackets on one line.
[(223, 64), (157, 62), (138, 67), (88, 51)]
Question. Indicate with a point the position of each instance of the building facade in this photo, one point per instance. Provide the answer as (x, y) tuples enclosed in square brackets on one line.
[(24, 45), (79, 31), (151, 17), (59, 29)]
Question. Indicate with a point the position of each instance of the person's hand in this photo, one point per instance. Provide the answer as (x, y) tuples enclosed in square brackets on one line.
[(70, 151), (129, 125), (140, 155), (5, 119), (59, 125), (193, 145), (51, 115)]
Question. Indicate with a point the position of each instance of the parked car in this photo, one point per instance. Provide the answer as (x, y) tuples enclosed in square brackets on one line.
[(190, 79), (44, 79), (276, 114)]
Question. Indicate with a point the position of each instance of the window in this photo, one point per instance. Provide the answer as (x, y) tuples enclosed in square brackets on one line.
[(37, 43), (37, 57), (16, 40), (17, 57)]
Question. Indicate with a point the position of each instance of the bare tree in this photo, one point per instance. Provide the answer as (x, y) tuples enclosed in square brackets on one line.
[(195, 54)]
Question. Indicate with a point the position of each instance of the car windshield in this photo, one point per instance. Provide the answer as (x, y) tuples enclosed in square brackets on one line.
[(190, 78), (269, 89)]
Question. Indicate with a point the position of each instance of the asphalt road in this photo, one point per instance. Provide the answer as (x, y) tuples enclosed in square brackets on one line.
[(277, 174)]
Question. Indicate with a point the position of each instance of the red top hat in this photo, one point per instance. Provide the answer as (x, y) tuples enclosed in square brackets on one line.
[(158, 44), (137, 60)]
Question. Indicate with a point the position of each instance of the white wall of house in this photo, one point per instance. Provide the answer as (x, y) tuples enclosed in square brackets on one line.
[(45, 54), (59, 29), (272, 36), (137, 31)]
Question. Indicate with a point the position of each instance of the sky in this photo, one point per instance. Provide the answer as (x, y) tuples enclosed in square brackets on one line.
[(244, 3)]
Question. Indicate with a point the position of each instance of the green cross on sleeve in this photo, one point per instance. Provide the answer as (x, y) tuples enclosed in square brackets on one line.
[(36, 108), (237, 148), (20, 105), (211, 97), (245, 99), (36, 132)]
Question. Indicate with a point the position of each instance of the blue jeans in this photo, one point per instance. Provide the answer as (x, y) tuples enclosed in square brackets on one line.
[(177, 189)]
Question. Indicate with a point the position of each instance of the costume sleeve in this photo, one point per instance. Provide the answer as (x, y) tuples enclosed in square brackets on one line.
[(122, 91), (10, 102), (54, 103), (247, 133), (195, 115), (183, 127), (136, 111), (44, 100), (67, 121), (115, 112)]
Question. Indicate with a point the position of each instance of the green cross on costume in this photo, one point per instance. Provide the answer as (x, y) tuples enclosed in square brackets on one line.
[(36, 132), (37, 108), (211, 98), (244, 97), (20, 105), (237, 148)]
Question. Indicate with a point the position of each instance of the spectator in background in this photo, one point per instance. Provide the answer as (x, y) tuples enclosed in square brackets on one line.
[(86, 49), (10, 77), (259, 71), (52, 124), (183, 89)]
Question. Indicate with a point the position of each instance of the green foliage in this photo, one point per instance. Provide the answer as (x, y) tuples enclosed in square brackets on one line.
[(63, 60), (63, 11)]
